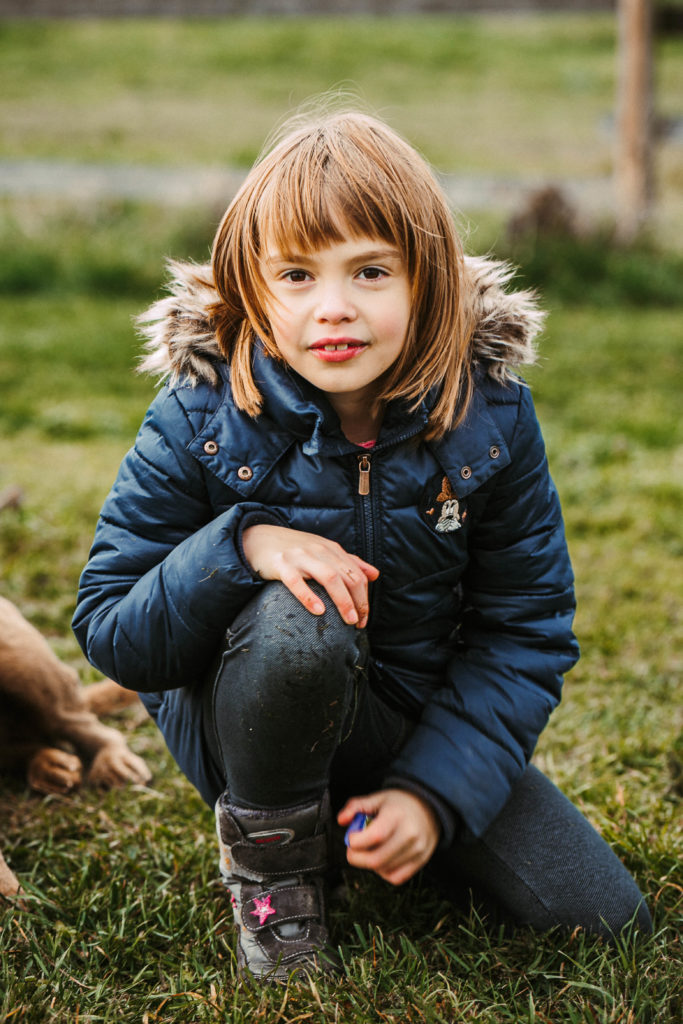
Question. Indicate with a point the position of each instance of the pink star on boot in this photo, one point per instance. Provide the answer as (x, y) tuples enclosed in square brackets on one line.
[(263, 909)]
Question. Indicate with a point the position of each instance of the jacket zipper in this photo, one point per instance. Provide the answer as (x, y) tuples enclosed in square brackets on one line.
[(366, 508), (369, 515), (364, 474)]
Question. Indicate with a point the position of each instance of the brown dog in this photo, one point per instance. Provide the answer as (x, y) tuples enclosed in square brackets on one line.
[(48, 725)]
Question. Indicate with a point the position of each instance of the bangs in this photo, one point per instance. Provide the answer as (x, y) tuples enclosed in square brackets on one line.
[(326, 186)]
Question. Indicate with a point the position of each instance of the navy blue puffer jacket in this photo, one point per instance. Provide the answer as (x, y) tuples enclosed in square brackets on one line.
[(470, 626)]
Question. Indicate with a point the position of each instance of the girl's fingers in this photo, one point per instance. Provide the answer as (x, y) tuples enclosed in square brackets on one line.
[(348, 591), (357, 584), (293, 557), (358, 805), (339, 593), (344, 581), (296, 585), (368, 570), (395, 859), (398, 841), (383, 856)]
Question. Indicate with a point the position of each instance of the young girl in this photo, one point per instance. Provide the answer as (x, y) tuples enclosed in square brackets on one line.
[(334, 564)]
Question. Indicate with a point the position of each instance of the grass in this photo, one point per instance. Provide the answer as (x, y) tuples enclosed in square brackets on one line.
[(124, 918), (203, 91)]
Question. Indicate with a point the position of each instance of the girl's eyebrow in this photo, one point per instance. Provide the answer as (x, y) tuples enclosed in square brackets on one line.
[(284, 257), (378, 254)]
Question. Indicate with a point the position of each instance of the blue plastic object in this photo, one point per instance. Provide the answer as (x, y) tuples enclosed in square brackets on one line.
[(360, 821)]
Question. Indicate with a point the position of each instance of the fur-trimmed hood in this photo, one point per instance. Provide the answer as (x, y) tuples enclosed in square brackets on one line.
[(180, 342)]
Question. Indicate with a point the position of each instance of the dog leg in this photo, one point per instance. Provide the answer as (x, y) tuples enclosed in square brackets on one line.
[(107, 696), (30, 672), (9, 885)]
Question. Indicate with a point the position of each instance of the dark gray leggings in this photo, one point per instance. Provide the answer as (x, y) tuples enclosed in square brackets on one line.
[(288, 714)]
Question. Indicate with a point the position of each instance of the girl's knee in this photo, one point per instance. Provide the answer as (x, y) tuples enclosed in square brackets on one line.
[(283, 625), (275, 641)]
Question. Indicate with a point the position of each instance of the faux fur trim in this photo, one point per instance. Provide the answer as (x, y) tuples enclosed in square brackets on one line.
[(181, 344), (179, 339), (507, 324)]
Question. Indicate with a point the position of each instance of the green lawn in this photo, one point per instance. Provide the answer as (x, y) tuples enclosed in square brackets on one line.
[(205, 92), (512, 96), (125, 919)]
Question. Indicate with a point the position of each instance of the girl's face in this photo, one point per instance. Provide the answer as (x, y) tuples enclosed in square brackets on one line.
[(339, 315)]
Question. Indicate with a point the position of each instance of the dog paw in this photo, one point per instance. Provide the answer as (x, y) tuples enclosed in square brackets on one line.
[(54, 771), (116, 766)]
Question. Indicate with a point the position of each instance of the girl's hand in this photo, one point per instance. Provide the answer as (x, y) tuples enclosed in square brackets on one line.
[(279, 553), (399, 840)]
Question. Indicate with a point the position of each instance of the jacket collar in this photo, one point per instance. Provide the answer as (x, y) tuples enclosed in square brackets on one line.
[(241, 451), (296, 406), (303, 411), (476, 449)]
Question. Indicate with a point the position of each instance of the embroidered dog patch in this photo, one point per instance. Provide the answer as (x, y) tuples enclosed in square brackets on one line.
[(442, 510)]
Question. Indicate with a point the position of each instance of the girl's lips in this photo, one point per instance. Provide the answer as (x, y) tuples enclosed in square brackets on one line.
[(338, 350)]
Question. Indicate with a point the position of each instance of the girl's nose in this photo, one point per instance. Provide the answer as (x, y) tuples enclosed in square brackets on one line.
[(334, 306)]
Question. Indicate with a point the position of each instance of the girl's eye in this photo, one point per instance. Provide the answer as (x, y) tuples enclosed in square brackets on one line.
[(295, 276), (372, 274)]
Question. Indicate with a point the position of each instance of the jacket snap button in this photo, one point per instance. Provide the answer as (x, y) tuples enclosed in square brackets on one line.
[(494, 451), (465, 472), (245, 473), (210, 447)]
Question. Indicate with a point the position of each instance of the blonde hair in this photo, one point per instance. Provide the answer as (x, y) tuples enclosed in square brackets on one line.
[(347, 174)]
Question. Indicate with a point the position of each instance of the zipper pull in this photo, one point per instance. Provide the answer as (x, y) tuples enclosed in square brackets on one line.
[(364, 474)]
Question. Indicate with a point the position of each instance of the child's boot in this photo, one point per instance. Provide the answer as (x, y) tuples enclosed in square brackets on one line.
[(274, 862)]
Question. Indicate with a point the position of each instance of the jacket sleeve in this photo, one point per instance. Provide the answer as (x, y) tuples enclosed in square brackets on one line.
[(164, 579), (478, 732)]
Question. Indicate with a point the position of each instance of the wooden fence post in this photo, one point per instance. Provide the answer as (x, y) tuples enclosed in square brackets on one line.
[(633, 166)]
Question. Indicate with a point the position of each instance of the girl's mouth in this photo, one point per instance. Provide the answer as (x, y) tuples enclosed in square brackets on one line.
[(337, 350)]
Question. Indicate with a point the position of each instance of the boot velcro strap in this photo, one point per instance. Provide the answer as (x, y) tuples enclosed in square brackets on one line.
[(298, 858), (277, 906)]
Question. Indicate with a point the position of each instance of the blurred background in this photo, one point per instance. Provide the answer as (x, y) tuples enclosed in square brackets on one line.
[(557, 130), (122, 140)]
